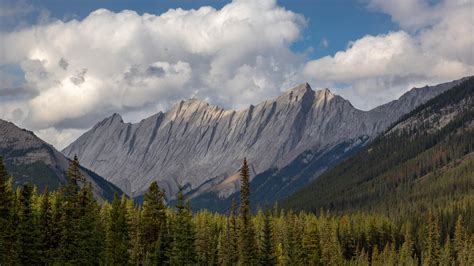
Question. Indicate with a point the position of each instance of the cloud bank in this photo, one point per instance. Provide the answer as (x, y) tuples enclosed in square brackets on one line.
[(77, 72), (435, 44)]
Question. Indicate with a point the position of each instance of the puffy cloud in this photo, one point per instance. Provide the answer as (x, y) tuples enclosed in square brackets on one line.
[(78, 71), (82, 70), (435, 44)]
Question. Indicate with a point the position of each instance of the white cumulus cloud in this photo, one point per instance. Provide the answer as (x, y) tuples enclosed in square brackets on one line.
[(83, 70), (435, 44)]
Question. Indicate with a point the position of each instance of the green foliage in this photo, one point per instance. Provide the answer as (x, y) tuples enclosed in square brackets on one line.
[(183, 250), (153, 233), (267, 248), (27, 250), (284, 238), (118, 238)]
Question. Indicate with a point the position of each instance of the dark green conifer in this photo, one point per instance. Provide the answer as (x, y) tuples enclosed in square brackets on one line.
[(431, 251), (247, 242), (28, 246), (90, 231), (267, 248), (153, 230), (69, 221), (183, 251), (46, 228), (6, 209), (117, 235)]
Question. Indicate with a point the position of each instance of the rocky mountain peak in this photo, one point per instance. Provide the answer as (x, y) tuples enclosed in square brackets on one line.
[(195, 143), (115, 118)]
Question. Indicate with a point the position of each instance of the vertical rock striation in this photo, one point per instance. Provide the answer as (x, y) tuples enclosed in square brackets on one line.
[(201, 146)]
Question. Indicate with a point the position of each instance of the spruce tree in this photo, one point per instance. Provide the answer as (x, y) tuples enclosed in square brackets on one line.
[(247, 244), (117, 235), (153, 227), (183, 251), (267, 249), (446, 257), (46, 229), (461, 249), (229, 248), (6, 208), (406, 251), (90, 231), (28, 246), (431, 250), (69, 222)]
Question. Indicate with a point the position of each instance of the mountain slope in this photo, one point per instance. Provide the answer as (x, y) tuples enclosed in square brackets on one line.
[(29, 159), (200, 147), (424, 161)]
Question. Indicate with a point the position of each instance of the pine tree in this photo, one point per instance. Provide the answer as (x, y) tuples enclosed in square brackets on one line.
[(28, 248), (117, 234), (460, 248), (183, 251), (69, 221), (247, 245), (57, 226), (406, 251), (6, 209), (331, 253), (431, 250), (446, 257), (376, 259), (153, 225), (229, 248), (312, 249), (46, 229), (90, 231), (267, 249), (135, 218)]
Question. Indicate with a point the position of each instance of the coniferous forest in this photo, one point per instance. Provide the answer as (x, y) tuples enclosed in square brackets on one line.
[(69, 227)]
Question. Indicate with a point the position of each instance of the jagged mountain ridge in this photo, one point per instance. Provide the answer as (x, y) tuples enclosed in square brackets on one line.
[(201, 146), (30, 159), (424, 160)]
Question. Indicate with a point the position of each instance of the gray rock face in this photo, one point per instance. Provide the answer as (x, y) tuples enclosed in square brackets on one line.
[(30, 159), (195, 143)]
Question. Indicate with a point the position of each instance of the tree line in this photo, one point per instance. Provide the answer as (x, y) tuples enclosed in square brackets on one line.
[(69, 227)]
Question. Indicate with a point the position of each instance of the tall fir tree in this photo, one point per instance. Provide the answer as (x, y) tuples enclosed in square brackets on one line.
[(247, 242), (46, 228), (117, 234), (463, 246), (28, 246), (69, 221), (431, 250), (6, 208), (90, 231), (153, 230), (267, 248), (229, 248), (183, 250)]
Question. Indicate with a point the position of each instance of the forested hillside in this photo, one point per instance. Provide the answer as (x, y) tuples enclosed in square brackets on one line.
[(69, 227), (424, 162)]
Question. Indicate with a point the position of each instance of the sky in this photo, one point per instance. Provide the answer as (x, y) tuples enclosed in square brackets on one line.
[(65, 65)]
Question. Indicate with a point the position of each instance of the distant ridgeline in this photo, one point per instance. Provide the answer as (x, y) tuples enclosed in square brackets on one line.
[(68, 227), (423, 162), (30, 159)]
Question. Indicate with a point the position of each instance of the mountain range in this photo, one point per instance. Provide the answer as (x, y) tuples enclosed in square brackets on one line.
[(425, 161), (288, 142), (30, 159)]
